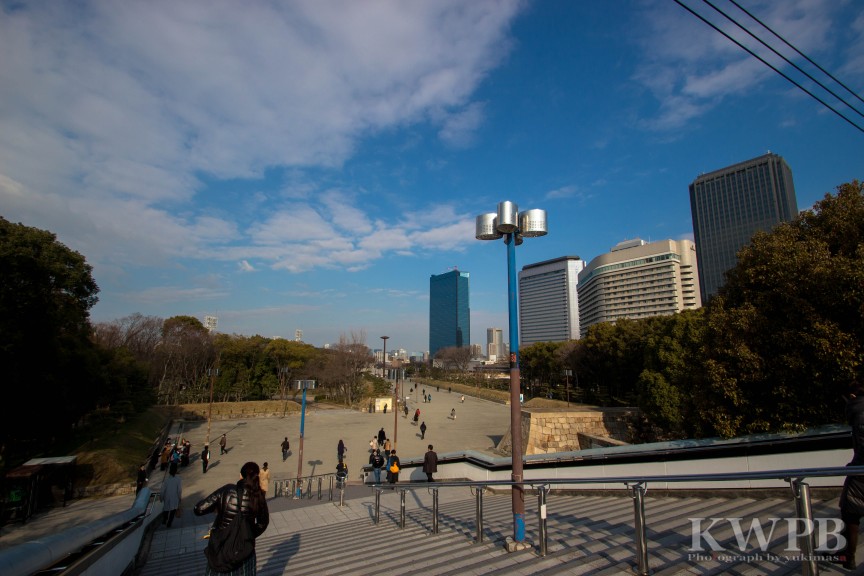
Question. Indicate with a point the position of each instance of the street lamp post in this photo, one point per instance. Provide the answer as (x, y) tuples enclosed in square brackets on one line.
[(212, 372), (303, 385), (395, 393), (509, 224)]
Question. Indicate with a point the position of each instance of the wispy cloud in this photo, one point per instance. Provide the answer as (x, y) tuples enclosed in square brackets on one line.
[(690, 68)]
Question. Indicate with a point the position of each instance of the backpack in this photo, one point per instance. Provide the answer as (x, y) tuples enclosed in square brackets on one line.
[(394, 467), (230, 546)]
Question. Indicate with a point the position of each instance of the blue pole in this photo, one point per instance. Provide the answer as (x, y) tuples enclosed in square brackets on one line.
[(300, 454), (518, 493)]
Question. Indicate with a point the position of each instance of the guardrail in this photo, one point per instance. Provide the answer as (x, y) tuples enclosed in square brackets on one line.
[(637, 486), (112, 541), (303, 487)]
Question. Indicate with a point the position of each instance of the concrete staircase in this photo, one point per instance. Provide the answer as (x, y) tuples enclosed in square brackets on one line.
[(586, 535)]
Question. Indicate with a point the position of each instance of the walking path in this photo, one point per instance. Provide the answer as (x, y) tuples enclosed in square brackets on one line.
[(478, 426)]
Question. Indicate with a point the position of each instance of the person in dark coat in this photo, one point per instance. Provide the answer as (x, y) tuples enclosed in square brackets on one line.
[(423, 430), (142, 479), (223, 444), (393, 477), (852, 496), (340, 450), (430, 463), (227, 505), (381, 436), (286, 446), (205, 458)]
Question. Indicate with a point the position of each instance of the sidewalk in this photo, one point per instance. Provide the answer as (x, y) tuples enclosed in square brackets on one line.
[(478, 426)]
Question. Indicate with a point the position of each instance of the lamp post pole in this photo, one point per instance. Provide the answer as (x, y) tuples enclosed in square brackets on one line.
[(512, 226), (303, 384), (395, 392), (213, 372)]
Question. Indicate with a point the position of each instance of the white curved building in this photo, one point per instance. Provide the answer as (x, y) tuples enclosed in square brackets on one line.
[(637, 280)]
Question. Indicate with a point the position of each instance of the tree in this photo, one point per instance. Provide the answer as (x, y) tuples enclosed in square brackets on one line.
[(46, 293), (341, 370), (540, 363), (186, 354), (457, 358), (785, 335)]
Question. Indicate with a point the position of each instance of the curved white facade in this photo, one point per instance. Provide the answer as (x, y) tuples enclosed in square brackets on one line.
[(638, 280)]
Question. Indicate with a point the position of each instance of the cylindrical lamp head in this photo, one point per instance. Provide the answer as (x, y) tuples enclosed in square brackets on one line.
[(532, 223), (508, 217), (485, 229)]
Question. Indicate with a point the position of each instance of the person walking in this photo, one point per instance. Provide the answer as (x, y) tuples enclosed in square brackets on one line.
[(286, 446), (381, 436), (430, 463), (377, 462), (172, 492), (387, 447), (223, 443), (205, 458), (142, 479), (423, 430), (340, 450), (453, 414), (373, 445), (264, 478), (244, 497), (393, 467), (416, 416), (462, 399)]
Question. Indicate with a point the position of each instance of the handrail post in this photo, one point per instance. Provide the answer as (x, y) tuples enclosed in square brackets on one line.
[(541, 506), (330, 495), (309, 488), (801, 493), (294, 489), (638, 494), (435, 510), (320, 482), (401, 508), (377, 505), (479, 512)]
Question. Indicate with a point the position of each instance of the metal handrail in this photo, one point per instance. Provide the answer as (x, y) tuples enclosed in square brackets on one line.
[(638, 487)]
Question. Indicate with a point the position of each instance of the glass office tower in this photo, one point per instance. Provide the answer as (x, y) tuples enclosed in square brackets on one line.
[(449, 311), (730, 205)]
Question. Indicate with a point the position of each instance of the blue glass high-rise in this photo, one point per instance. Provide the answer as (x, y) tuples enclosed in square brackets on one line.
[(449, 311)]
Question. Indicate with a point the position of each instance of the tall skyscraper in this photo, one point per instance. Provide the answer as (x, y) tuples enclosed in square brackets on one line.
[(548, 300), (637, 280), (495, 344), (730, 205), (449, 311)]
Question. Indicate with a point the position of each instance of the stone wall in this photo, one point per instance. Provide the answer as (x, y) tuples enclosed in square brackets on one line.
[(566, 430)]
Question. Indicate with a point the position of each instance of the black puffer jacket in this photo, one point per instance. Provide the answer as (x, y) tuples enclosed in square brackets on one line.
[(855, 417), (224, 501)]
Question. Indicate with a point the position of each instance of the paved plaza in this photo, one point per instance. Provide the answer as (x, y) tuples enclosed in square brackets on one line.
[(479, 424)]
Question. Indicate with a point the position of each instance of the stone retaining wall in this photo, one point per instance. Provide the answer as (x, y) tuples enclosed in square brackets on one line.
[(567, 430)]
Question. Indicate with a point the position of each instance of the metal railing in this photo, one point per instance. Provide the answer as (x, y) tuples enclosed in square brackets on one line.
[(305, 487), (637, 486)]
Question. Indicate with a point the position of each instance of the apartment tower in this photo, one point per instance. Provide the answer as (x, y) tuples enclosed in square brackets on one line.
[(548, 300), (449, 311), (730, 205)]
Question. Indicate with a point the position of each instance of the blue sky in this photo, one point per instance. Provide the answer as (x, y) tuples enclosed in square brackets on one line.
[(308, 165)]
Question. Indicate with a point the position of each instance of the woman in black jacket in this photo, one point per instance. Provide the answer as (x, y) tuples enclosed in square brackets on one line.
[(253, 506)]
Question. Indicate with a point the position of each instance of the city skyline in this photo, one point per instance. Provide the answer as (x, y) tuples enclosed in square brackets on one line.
[(309, 166)]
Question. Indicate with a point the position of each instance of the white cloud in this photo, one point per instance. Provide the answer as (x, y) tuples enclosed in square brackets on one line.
[(245, 266), (690, 68), (113, 112)]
